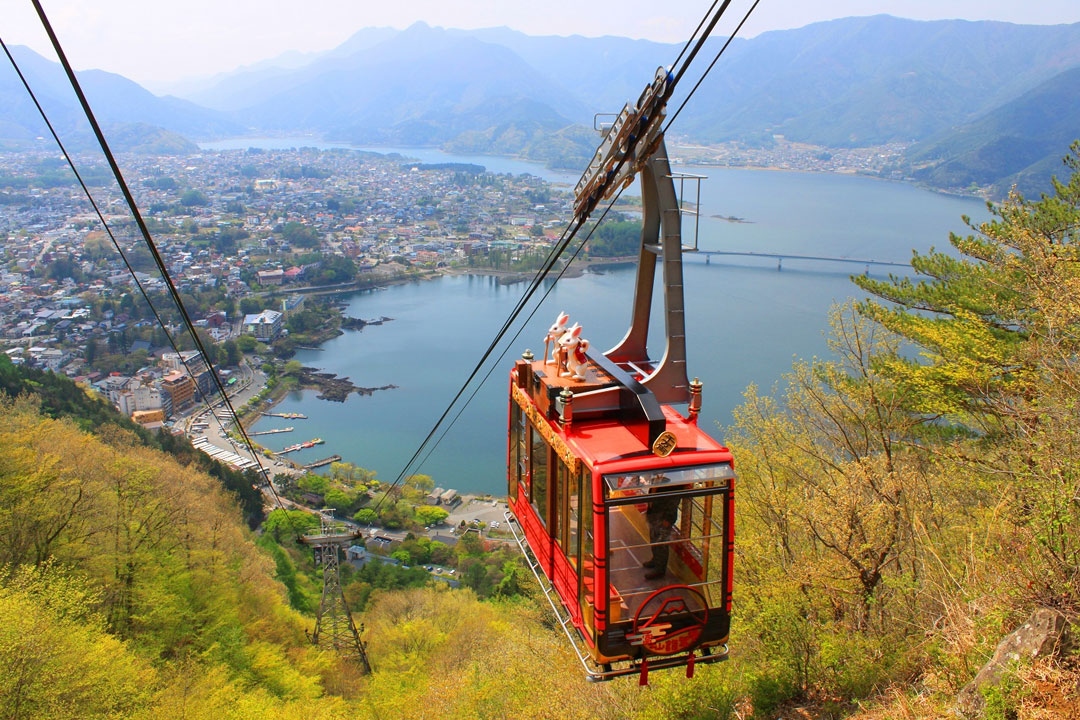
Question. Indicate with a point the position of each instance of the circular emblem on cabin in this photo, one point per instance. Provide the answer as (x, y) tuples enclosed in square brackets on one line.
[(664, 444), (670, 621)]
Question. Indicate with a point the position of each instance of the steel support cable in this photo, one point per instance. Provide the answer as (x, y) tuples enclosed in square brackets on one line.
[(697, 46), (579, 220), (521, 329), (686, 46), (108, 229), (77, 87), (479, 365), (710, 67)]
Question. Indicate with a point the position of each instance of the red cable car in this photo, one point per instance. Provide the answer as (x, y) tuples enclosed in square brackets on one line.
[(622, 505)]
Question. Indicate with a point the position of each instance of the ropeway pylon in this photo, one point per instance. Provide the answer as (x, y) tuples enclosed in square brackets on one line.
[(334, 626)]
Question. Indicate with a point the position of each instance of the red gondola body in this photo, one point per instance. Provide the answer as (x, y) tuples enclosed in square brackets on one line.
[(622, 505), (576, 491)]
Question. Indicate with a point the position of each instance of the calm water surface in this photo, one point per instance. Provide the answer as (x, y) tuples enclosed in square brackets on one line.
[(746, 322)]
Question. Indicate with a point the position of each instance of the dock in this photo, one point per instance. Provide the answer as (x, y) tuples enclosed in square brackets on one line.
[(287, 416), (324, 461), (301, 446), (272, 432)]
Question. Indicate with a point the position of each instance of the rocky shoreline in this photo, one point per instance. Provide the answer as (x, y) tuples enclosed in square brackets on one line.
[(333, 388), (351, 323)]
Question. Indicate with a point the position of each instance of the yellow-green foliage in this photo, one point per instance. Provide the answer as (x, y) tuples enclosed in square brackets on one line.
[(56, 659), (131, 589), (900, 513), (441, 653), (122, 566)]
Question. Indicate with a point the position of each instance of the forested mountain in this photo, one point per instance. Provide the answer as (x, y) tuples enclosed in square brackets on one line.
[(842, 83), (1018, 143), (422, 86), (847, 82), (115, 99), (870, 80)]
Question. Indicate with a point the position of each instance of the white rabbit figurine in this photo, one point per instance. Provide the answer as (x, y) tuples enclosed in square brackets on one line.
[(572, 347), (555, 332)]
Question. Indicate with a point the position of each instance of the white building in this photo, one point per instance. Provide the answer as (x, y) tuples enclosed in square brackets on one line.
[(264, 326)]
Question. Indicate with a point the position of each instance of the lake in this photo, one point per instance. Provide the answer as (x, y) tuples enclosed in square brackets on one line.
[(746, 321)]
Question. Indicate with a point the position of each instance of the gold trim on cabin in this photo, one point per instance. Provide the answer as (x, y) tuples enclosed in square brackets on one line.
[(540, 423)]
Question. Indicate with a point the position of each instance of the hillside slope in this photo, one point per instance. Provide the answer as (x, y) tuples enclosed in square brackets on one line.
[(118, 103), (131, 589), (1019, 143)]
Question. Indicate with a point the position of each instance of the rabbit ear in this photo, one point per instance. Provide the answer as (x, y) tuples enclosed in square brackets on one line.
[(563, 319), (576, 330)]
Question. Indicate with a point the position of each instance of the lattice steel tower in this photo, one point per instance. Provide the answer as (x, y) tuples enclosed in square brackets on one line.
[(334, 625)]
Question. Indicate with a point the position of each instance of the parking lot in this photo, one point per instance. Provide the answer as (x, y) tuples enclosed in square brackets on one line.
[(483, 511)]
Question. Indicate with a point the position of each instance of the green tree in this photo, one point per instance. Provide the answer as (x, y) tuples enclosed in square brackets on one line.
[(428, 515), (194, 198), (339, 499), (997, 333), (281, 523), (366, 516), (232, 353), (246, 343), (250, 305), (300, 235), (314, 483)]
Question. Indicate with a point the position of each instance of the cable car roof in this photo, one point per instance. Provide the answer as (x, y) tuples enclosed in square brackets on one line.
[(606, 441)]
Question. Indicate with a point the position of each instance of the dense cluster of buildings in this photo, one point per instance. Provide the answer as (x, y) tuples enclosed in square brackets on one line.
[(157, 392), (228, 224), (776, 152)]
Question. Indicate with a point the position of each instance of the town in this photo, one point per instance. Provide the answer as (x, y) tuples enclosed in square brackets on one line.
[(245, 234)]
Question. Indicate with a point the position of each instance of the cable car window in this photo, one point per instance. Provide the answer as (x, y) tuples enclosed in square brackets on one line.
[(513, 461), (571, 532), (665, 528), (539, 485), (557, 520), (703, 476), (587, 576), (523, 453)]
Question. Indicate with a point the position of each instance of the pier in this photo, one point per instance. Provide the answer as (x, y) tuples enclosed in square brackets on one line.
[(272, 432), (301, 446), (324, 461), (780, 257), (287, 416)]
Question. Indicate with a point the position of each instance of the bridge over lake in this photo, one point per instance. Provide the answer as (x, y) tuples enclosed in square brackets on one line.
[(780, 257)]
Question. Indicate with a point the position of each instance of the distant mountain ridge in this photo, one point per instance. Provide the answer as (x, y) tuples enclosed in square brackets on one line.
[(115, 99), (852, 82), (872, 80), (1020, 143)]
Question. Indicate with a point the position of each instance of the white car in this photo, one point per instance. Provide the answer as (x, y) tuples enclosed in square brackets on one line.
[(494, 524)]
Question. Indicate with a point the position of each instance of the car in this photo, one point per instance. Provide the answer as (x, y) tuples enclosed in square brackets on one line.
[(494, 524)]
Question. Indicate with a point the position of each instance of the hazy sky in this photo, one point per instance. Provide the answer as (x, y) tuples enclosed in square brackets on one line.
[(158, 42)]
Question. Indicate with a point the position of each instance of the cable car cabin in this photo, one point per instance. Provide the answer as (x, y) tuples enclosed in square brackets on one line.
[(624, 509)]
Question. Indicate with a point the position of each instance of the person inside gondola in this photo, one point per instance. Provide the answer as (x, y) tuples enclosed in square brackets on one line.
[(660, 516)]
